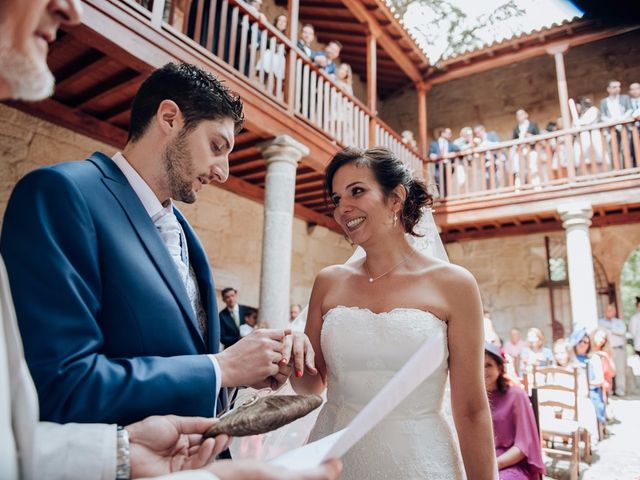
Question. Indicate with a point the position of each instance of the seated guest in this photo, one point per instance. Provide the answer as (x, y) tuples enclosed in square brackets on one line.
[(517, 441), (231, 317), (535, 353), (514, 347), (581, 343), (524, 128), (250, 321), (306, 40), (564, 357), (602, 350), (344, 78)]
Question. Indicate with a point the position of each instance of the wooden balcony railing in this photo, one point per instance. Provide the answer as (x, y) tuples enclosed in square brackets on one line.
[(272, 63), (593, 152)]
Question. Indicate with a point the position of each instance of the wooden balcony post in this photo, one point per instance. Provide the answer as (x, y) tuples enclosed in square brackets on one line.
[(293, 8), (563, 95), (372, 84), (422, 89), (372, 73), (157, 12)]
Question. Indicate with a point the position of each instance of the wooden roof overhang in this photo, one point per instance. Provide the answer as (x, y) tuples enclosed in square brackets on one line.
[(100, 64), (615, 200), (522, 47), (400, 60)]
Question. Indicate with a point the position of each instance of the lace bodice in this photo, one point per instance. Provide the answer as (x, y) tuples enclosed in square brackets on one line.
[(363, 350)]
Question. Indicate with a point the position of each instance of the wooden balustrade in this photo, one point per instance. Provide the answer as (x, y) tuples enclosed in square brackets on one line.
[(530, 164), (229, 30)]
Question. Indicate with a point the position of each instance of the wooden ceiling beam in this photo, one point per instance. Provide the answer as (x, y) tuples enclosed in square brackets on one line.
[(110, 91), (60, 114)]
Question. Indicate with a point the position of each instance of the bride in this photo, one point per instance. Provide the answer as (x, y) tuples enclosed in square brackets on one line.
[(366, 319)]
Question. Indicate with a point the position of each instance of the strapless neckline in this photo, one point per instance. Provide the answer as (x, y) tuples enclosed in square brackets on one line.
[(388, 312)]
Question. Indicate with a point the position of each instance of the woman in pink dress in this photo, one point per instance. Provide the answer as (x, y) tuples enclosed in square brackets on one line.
[(516, 436)]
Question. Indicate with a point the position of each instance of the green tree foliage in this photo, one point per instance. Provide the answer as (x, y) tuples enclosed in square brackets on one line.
[(462, 31), (630, 284)]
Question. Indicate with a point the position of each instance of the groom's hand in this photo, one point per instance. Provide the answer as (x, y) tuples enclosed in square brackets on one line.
[(254, 359), (298, 351)]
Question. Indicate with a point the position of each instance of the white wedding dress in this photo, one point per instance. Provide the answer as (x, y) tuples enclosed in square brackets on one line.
[(362, 351)]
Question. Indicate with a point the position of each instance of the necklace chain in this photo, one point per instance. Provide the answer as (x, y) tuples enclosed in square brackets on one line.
[(373, 279)]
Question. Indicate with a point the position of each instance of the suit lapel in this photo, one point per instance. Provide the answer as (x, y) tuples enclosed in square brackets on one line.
[(117, 184)]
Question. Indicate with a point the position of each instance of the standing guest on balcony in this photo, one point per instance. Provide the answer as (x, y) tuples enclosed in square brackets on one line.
[(615, 107), (344, 78), (634, 96), (255, 7), (517, 442), (590, 144), (125, 322), (274, 61), (438, 148), (408, 138), (483, 138), (305, 41), (618, 334), (465, 140), (525, 127), (231, 317), (327, 60)]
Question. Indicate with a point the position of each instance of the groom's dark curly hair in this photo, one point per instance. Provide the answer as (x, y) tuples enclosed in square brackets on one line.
[(198, 93), (389, 172)]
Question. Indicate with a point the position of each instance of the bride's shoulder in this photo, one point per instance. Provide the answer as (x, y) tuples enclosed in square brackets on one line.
[(336, 272), (448, 274)]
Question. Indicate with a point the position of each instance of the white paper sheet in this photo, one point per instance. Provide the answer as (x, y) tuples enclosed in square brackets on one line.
[(420, 366)]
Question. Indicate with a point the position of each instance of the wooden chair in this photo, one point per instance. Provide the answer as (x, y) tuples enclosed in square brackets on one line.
[(558, 414)]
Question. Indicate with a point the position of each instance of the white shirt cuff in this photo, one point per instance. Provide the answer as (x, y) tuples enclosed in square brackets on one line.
[(216, 368)]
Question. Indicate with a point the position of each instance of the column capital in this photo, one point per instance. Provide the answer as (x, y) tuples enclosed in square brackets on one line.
[(575, 214), (283, 148), (557, 48)]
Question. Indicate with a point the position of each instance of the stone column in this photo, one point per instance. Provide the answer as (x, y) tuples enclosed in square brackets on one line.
[(282, 155), (576, 218), (558, 52)]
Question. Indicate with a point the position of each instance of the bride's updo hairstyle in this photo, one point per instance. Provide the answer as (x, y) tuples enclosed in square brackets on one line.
[(389, 172)]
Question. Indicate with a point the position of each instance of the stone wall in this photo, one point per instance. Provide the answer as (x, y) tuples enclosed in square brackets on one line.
[(229, 226), (492, 97), (508, 270)]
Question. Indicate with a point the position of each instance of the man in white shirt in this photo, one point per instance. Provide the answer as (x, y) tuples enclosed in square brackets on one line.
[(34, 450), (634, 327), (615, 107), (618, 335)]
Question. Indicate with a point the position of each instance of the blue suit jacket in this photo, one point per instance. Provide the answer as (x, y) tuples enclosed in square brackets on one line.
[(229, 332), (108, 330)]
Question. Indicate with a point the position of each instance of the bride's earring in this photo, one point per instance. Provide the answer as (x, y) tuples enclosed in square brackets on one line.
[(395, 220)]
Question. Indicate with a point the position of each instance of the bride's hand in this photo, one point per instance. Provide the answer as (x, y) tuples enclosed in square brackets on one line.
[(299, 352)]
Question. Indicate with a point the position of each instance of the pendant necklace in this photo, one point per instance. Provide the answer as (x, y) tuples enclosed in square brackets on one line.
[(373, 279)]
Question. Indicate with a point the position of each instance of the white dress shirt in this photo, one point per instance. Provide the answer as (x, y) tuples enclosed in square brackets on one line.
[(617, 329), (634, 329), (153, 206)]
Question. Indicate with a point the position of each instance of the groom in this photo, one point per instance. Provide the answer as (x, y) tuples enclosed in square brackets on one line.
[(113, 291)]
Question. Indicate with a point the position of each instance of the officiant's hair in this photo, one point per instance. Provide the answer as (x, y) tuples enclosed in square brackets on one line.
[(389, 172)]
